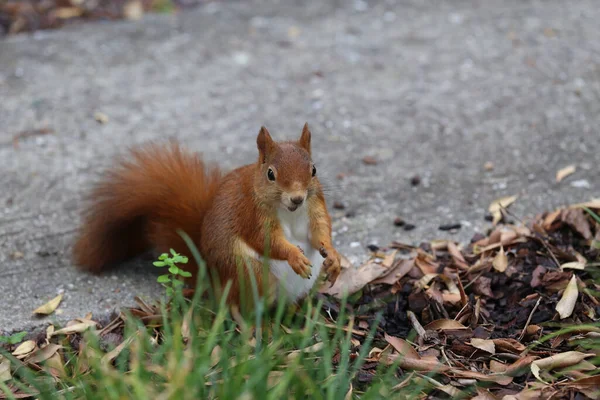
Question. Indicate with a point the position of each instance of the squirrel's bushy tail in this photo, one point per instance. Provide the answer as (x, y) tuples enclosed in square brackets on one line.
[(140, 203)]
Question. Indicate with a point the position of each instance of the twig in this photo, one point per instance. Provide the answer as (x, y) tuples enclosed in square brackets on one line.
[(417, 325), (474, 279), (529, 319), (543, 242)]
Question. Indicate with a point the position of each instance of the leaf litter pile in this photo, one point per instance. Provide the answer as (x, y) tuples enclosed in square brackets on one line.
[(512, 315), (18, 16)]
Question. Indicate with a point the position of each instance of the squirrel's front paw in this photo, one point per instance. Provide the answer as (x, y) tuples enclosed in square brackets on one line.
[(300, 264), (331, 264)]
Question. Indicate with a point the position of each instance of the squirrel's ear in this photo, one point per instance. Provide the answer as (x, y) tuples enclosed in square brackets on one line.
[(304, 141), (264, 144)]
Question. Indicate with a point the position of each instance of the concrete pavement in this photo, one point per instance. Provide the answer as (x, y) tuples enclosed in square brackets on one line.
[(432, 89)]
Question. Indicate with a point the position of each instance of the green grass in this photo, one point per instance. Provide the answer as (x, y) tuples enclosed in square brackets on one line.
[(200, 352)]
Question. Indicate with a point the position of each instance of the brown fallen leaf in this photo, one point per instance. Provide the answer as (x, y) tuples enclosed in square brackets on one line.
[(55, 366), (75, 328), (49, 307), (351, 280), (508, 345), (412, 364), (133, 10), (307, 350), (444, 324), (566, 304), (215, 355), (498, 205), (573, 265), (348, 395), (398, 271), (520, 367), (500, 262), (114, 353), (577, 219), (24, 348), (44, 353), (496, 378), (67, 12), (369, 160), (459, 259), (564, 172), (561, 360), (5, 374), (589, 386), (484, 344), (595, 204), (402, 347)]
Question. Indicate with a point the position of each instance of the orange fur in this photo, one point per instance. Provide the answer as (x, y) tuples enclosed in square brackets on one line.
[(140, 204)]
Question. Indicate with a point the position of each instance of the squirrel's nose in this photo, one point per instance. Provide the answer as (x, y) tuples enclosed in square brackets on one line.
[(297, 200)]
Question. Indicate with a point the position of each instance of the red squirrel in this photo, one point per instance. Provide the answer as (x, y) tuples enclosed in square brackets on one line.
[(276, 203)]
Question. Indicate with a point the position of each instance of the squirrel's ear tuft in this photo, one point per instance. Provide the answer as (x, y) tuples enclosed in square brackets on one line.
[(265, 144), (304, 141)]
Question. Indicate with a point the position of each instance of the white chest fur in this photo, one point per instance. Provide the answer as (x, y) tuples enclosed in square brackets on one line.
[(296, 228)]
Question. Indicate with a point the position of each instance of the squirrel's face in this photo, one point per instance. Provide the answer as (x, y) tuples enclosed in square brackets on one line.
[(287, 173)]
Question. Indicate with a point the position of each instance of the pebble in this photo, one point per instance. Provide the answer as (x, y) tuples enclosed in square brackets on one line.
[(369, 160), (373, 247), (449, 227), (338, 205), (581, 184), (399, 221), (415, 180)]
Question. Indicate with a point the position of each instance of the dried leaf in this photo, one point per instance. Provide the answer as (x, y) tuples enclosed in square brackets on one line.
[(497, 378), (577, 219), (133, 10), (497, 205), (75, 328), (352, 280), (24, 348), (348, 395), (459, 259), (402, 347), (4, 369), (398, 271), (100, 117), (588, 386), (595, 204), (500, 262), (68, 12), (508, 345), (444, 324), (562, 360), (114, 353), (215, 355), (310, 349), (55, 366), (566, 305), (50, 306), (564, 172), (412, 364), (44, 353), (484, 344), (573, 265)]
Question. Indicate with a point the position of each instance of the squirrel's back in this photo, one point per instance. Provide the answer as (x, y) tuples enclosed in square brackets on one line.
[(140, 203)]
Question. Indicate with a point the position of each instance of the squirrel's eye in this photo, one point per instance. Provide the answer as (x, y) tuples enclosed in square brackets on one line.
[(271, 174), (314, 171)]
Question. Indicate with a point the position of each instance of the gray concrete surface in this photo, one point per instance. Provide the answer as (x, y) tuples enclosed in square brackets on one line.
[(435, 89)]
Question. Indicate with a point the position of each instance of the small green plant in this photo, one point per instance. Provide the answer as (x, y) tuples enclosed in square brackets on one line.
[(14, 338), (172, 281)]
